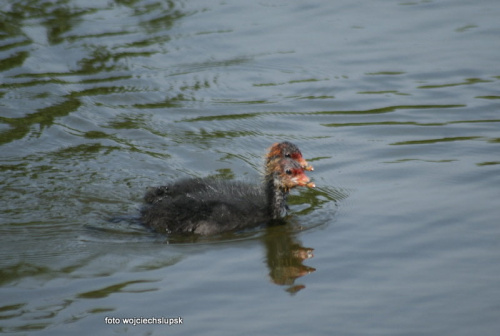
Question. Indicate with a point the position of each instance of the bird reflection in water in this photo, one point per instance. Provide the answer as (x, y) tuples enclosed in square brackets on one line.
[(285, 256)]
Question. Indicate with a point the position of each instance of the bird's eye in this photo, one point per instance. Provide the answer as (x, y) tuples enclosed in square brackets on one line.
[(288, 172), (288, 155)]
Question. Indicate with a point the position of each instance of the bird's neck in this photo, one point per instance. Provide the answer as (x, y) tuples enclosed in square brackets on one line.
[(276, 198)]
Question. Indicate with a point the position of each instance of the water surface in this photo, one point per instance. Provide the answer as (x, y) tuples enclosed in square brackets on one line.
[(395, 103)]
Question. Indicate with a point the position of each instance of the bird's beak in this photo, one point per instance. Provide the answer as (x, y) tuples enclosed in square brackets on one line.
[(305, 165), (304, 181)]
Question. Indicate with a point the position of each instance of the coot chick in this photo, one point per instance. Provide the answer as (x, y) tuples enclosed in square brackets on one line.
[(278, 150), (207, 206)]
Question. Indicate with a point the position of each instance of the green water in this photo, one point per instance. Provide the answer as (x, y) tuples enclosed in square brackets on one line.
[(396, 104)]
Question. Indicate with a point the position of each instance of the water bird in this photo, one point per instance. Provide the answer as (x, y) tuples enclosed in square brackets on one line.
[(207, 206)]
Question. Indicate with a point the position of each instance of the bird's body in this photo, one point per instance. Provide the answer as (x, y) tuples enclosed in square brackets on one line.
[(208, 206)]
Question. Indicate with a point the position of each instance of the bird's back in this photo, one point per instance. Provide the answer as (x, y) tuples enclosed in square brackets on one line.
[(205, 206)]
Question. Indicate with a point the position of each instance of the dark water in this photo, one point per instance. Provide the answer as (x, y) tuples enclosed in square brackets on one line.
[(395, 103)]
